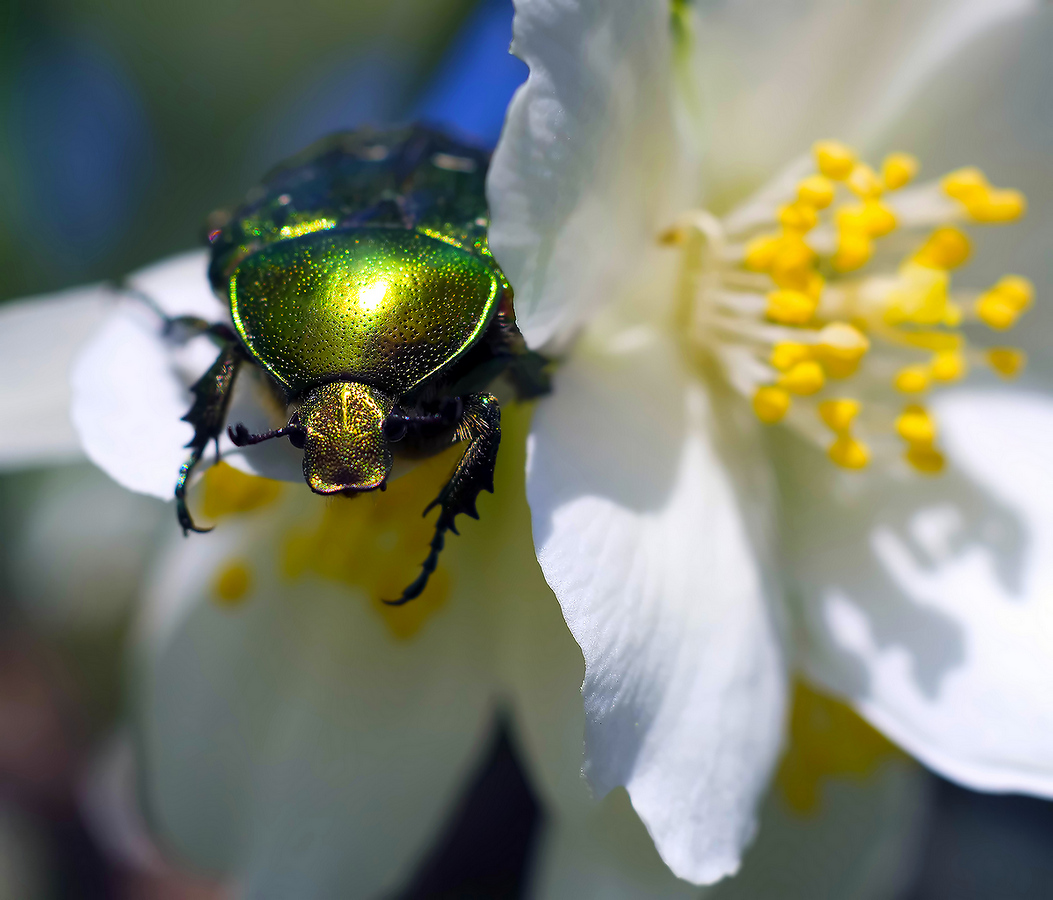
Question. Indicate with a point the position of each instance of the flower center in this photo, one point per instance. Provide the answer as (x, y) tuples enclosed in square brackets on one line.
[(826, 300)]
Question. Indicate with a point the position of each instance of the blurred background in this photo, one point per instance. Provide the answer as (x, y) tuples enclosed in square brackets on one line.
[(122, 124)]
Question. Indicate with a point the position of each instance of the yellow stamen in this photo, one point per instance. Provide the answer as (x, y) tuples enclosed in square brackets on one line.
[(834, 159), (997, 207), (816, 190), (925, 458), (864, 182), (1006, 361), (793, 258), (841, 347), (770, 404), (1016, 291), (838, 415), (948, 366), (946, 248), (854, 250), (804, 378), (912, 380), (916, 426), (760, 253), (786, 354), (798, 216), (996, 311), (964, 184), (898, 170), (790, 307), (849, 453)]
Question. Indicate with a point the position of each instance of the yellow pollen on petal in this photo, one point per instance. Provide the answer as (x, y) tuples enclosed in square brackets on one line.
[(232, 583), (786, 354), (804, 378), (816, 190), (946, 248), (925, 458), (864, 182), (838, 415), (915, 425), (790, 307), (1006, 361), (849, 453), (770, 404), (834, 159), (912, 380), (947, 367), (898, 170)]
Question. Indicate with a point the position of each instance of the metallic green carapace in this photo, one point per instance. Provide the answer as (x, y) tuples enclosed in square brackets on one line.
[(359, 280), (381, 305)]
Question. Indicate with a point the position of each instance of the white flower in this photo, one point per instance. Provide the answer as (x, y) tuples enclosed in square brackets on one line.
[(656, 205), (303, 739)]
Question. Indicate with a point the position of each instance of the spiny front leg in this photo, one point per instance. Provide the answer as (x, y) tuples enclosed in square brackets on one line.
[(208, 414), (480, 426)]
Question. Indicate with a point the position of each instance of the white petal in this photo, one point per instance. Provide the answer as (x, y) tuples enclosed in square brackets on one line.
[(774, 79), (294, 741), (643, 537), (131, 388), (39, 339), (78, 548), (592, 164), (929, 603), (864, 841)]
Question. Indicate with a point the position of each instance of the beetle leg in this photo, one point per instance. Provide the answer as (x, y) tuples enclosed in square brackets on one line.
[(179, 327), (212, 392), (480, 426)]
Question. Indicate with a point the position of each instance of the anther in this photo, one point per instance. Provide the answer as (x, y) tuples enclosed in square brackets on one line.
[(915, 425), (864, 182), (948, 366), (816, 190), (912, 380), (786, 354), (838, 415), (798, 216), (1006, 361), (804, 378), (834, 159), (854, 250), (849, 453), (790, 307), (925, 458), (898, 170), (770, 404), (946, 248)]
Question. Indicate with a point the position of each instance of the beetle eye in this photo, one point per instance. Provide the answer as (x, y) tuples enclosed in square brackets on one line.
[(297, 437), (395, 427)]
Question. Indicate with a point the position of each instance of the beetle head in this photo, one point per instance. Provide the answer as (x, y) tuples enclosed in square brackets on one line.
[(344, 447)]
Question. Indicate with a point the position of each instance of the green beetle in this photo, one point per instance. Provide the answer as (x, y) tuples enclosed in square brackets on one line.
[(359, 280)]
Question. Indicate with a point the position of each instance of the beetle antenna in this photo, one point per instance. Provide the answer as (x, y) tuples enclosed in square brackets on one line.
[(240, 436)]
